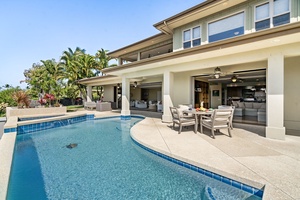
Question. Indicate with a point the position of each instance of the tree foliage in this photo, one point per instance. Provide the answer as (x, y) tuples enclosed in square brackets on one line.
[(61, 78), (6, 95)]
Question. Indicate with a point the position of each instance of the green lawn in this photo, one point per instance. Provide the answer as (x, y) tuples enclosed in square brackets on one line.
[(74, 108)]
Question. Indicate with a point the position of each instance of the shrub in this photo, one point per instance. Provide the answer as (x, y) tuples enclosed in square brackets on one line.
[(21, 98), (3, 108)]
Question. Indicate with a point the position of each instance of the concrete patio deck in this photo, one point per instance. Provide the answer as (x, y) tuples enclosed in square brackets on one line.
[(247, 157)]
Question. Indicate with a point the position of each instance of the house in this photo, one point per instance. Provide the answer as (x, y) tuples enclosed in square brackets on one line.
[(217, 52)]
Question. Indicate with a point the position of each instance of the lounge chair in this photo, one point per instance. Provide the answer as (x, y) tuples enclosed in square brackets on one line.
[(179, 119), (220, 119), (89, 105)]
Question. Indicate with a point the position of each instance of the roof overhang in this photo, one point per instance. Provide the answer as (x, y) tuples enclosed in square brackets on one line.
[(286, 34), (156, 39), (197, 12), (98, 80)]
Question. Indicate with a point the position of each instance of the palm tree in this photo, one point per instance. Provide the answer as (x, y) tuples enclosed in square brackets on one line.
[(54, 74), (103, 59)]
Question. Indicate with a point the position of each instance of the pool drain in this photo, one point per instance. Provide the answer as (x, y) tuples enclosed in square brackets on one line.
[(71, 145)]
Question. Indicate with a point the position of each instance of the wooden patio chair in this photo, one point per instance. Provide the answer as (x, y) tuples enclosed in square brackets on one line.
[(179, 119), (220, 119)]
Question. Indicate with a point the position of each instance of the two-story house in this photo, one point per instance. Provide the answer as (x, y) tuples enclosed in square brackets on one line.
[(216, 52)]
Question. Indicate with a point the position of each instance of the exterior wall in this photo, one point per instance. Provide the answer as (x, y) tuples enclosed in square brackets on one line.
[(182, 89), (108, 93), (292, 95), (177, 37), (248, 7), (153, 93), (295, 9), (215, 101), (135, 94)]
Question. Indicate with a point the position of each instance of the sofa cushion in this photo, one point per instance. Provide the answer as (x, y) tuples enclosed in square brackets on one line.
[(241, 104), (235, 104), (181, 108), (248, 105), (257, 105), (263, 105)]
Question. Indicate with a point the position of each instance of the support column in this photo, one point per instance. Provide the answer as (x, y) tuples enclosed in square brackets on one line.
[(125, 113), (275, 97), (139, 56), (167, 96), (120, 61), (89, 95)]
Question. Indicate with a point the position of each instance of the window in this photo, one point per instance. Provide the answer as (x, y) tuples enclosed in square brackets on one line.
[(192, 37), (226, 28), (271, 14)]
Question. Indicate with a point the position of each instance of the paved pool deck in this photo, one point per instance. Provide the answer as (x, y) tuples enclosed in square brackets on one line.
[(247, 157)]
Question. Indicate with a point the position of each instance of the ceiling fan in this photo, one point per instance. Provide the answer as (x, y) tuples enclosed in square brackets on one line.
[(218, 73)]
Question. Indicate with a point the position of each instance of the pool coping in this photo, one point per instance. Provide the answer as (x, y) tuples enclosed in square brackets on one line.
[(173, 158)]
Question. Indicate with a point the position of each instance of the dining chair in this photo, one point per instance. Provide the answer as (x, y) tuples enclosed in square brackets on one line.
[(228, 107), (181, 120), (220, 119)]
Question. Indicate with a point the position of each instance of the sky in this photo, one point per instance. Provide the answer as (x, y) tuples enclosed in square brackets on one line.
[(35, 30)]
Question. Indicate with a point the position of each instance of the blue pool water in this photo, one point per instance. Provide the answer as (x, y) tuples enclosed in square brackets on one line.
[(106, 164)]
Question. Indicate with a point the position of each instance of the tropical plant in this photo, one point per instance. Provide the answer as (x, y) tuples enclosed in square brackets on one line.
[(3, 108), (6, 95), (21, 98), (48, 77), (79, 65), (61, 78)]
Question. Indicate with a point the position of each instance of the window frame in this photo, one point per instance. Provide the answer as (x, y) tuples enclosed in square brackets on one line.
[(271, 14), (224, 17), (192, 39)]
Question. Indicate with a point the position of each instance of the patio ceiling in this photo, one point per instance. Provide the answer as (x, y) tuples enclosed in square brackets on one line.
[(243, 77)]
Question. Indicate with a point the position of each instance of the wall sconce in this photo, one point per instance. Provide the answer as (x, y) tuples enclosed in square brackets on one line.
[(233, 78)]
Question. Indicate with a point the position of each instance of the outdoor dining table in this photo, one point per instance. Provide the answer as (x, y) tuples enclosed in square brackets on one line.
[(198, 114)]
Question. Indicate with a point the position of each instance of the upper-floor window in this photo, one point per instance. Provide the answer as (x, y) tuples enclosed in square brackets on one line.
[(226, 28), (192, 37), (271, 14)]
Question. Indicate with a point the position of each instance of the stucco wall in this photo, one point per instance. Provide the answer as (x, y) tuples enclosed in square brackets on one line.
[(182, 89), (108, 93), (153, 93), (135, 94), (292, 95), (249, 10), (178, 38), (215, 101)]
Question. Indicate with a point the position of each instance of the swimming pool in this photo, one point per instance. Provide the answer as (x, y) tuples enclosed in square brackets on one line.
[(106, 164)]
